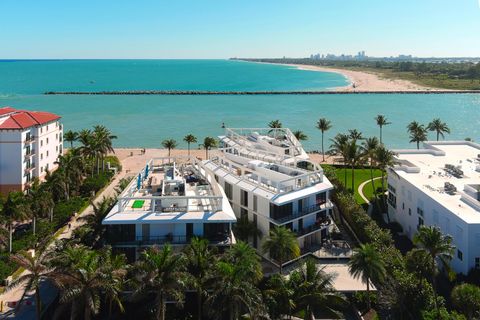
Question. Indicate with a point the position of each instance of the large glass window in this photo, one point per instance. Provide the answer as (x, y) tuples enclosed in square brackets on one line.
[(228, 190), (244, 198), (278, 212)]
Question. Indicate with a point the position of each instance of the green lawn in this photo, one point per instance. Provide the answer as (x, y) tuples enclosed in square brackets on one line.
[(361, 175)]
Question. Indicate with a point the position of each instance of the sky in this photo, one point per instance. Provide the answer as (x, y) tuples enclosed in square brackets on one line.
[(233, 28)]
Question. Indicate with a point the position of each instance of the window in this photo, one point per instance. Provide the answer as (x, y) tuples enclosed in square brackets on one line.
[(403, 205), (244, 198), (420, 222), (243, 212), (409, 211), (392, 200), (420, 211), (46, 141), (216, 178), (228, 190), (56, 136), (391, 188), (56, 148), (477, 263), (47, 153), (41, 156), (460, 255), (47, 128), (255, 203), (278, 212), (321, 198), (41, 169), (41, 143)]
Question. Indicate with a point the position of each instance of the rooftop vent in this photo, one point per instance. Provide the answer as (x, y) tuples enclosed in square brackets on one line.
[(450, 188), (454, 171)]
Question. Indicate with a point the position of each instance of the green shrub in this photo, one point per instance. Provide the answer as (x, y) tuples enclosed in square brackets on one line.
[(95, 183), (64, 210)]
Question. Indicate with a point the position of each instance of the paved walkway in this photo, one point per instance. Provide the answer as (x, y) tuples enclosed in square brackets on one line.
[(360, 189), (28, 311)]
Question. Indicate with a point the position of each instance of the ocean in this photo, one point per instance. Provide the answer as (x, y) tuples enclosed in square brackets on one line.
[(144, 121)]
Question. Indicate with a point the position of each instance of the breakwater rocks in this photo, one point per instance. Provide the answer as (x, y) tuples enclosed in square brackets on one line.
[(162, 92)]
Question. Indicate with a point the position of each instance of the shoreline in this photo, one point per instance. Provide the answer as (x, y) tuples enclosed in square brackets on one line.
[(364, 81)]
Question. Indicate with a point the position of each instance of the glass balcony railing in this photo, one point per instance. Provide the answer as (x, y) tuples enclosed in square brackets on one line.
[(170, 239), (305, 211)]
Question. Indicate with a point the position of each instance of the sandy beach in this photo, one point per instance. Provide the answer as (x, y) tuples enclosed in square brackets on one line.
[(133, 159), (365, 81)]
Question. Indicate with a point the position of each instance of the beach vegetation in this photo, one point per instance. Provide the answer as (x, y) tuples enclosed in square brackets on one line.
[(281, 245), (439, 127), (381, 121), (323, 125), (208, 144), (418, 133), (300, 135), (189, 139)]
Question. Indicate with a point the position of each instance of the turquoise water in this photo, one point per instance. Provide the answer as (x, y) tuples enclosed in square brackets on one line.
[(144, 121), (39, 76)]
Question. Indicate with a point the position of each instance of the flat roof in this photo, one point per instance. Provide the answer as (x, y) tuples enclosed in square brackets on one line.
[(426, 169)]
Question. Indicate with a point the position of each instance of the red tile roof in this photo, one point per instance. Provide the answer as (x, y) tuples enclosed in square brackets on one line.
[(11, 118)]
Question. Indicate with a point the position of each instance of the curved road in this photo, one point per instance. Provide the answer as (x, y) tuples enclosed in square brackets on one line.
[(360, 189)]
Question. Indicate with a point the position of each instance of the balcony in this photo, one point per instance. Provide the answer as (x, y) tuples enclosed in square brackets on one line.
[(170, 239), (29, 139), (30, 168), (29, 154), (307, 210), (314, 227)]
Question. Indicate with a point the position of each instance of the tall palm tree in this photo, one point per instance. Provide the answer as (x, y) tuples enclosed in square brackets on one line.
[(418, 133), (15, 208), (94, 220), (369, 148), (314, 291), (244, 229), (70, 136), (70, 171), (384, 158), (282, 245), (161, 271), (381, 122), (235, 283), (200, 262), (208, 144), (367, 264), (190, 138), (115, 268), (354, 157), (338, 146), (354, 134), (36, 271), (323, 125), (439, 248), (103, 142), (169, 144), (41, 202), (88, 148), (439, 127), (300, 135)]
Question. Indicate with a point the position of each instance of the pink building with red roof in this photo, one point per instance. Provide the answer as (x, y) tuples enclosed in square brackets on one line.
[(30, 143)]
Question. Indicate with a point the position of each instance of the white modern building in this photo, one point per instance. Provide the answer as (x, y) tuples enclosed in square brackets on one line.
[(267, 176), (170, 201), (439, 185), (30, 143)]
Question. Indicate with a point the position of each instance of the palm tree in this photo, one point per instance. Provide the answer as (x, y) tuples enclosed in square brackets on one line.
[(41, 200), (275, 124), (84, 276), (300, 135), (236, 277), (439, 248), (279, 297), (354, 134), (15, 208), (367, 264), (384, 158), (323, 125), (369, 148), (209, 143), (169, 144), (190, 138), (282, 245), (338, 146), (70, 136), (418, 132), (94, 220), (381, 122), (161, 271), (466, 299), (70, 171), (102, 138), (314, 290), (36, 271), (200, 262), (354, 157), (439, 127), (244, 229), (88, 148), (115, 269)]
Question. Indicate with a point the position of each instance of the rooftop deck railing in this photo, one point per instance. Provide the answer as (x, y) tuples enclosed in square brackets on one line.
[(170, 239)]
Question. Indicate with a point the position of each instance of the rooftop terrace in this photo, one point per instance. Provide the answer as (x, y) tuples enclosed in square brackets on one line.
[(172, 190), (447, 171)]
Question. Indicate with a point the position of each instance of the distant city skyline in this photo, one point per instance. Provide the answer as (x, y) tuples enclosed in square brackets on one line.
[(224, 29)]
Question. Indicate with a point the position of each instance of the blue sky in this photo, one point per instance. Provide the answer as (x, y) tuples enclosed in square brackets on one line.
[(228, 28)]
